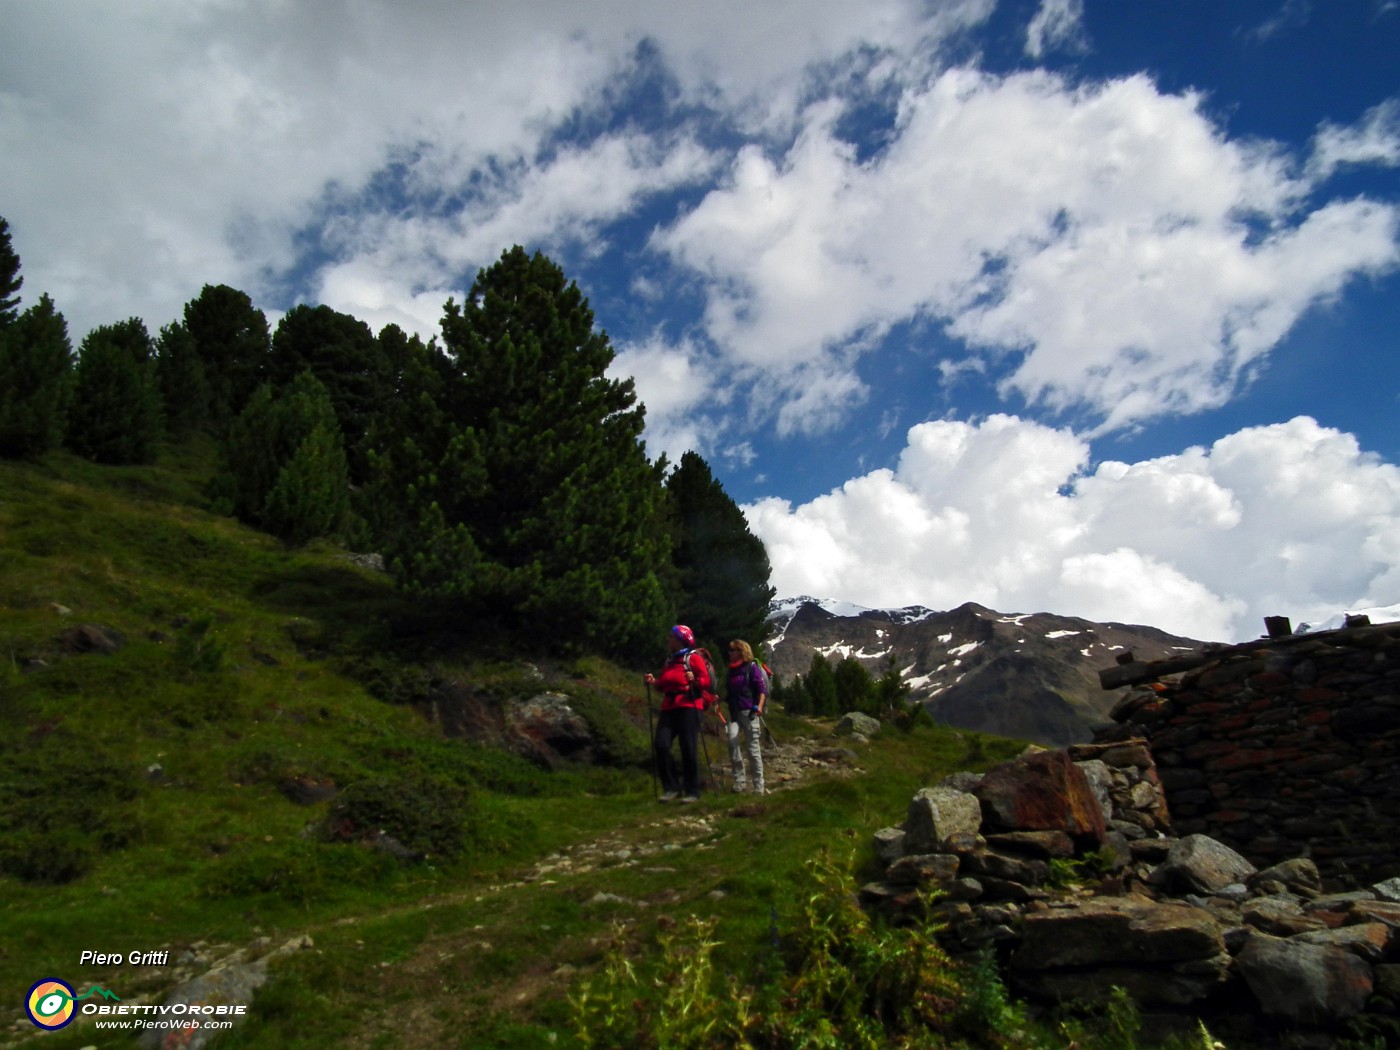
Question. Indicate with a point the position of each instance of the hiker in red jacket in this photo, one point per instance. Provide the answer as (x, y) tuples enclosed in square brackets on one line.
[(684, 683)]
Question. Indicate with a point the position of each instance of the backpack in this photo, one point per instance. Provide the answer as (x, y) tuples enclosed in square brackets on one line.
[(708, 697), (767, 674)]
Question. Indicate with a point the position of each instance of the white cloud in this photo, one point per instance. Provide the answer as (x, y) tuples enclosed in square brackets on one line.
[(188, 141), (672, 383), (1375, 140), (1291, 519), (1058, 24), (1107, 242)]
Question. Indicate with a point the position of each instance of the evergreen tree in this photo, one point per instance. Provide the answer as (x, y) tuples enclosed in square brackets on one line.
[(855, 688), (544, 509), (348, 360), (116, 409), (891, 690), (180, 376), (36, 362), (723, 566), (10, 279), (231, 336), (285, 462), (820, 687), (311, 495)]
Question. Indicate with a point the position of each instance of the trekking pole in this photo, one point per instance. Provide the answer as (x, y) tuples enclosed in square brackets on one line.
[(724, 753), (763, 723), (706, 749), (651, 747)]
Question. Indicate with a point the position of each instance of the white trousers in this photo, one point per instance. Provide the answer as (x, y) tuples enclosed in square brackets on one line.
[(743, 731)]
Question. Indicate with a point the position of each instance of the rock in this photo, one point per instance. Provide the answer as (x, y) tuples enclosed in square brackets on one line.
[(1179, 984), (1200, 864), (889, 845), (1043, 844), (855, 723), (1305, 983), (1008, 867), (90, 638), (1279, 916), (938, 868), (547, 728), (1161, 954), (937, 813), (1042, 791), (307, 790), (1389, 890), (1298, 876), (1131, 930), (1368, 940), (1100, 779), (231, 982)]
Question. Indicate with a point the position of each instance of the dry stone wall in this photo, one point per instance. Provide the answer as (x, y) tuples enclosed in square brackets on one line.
[(1062, 866), (1282, 749)]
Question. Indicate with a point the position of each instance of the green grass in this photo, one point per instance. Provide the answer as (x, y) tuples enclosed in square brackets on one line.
[(140, 806)]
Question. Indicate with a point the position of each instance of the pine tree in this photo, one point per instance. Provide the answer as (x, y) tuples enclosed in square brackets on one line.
[(312, 493), (891, 690), (10, 279), (116, 412), (544, 509), (285, 463), (231, 336), (820, 687), (180, 375), (350, 362), (723, 566), (855, 688), (36, 362)]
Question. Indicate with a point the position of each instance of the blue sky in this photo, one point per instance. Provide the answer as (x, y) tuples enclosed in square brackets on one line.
[(1063, 305)]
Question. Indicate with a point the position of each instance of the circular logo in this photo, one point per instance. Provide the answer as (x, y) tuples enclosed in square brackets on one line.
[(50, 1003)]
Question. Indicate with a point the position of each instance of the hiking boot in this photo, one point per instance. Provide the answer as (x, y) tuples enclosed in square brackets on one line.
[(691, 798), (670, 796)]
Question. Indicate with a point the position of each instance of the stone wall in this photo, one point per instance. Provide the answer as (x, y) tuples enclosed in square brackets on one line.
[(1289, 747)]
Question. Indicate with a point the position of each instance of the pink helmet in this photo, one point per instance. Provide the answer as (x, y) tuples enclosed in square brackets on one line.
[(685, 634)]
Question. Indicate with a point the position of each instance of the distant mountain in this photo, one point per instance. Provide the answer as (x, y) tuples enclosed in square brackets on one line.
[(1029, 675)]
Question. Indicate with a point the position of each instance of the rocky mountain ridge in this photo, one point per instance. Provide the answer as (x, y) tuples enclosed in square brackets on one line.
[(1027, 675)]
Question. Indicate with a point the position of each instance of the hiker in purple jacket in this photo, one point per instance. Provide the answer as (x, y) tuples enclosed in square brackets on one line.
[(747, 695)]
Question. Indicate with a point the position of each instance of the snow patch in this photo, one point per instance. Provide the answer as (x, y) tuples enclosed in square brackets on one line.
[(1063, 634)]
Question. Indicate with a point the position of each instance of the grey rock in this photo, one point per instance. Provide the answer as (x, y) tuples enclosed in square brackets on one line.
[(937, 813), (1306, 983)]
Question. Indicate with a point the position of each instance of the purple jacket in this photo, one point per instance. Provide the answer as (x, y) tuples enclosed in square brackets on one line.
[(746, 685)]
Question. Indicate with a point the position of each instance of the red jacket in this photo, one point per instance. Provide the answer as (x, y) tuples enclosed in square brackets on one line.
[(675, 690)]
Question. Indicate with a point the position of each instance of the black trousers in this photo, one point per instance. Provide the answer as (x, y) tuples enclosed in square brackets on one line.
[(683, 724)]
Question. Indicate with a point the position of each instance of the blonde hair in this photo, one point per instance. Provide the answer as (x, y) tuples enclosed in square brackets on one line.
[(744, 650)]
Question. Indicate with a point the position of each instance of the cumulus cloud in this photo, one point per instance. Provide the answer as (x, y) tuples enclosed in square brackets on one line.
[(1290, 519), (1112, 247), (202, 141)]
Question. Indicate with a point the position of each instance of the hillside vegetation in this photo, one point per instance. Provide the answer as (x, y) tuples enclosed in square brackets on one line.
[(140, 810)]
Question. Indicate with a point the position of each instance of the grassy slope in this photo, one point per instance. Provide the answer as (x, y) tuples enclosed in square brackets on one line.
[(235, 675)]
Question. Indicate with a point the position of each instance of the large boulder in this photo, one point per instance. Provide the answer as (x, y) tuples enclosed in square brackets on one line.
[(1044, 791), (937, 813), (546, 728), (1304, 983), (1160, 953), (853, 723)]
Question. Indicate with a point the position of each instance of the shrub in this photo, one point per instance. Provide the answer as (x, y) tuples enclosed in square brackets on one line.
[(61, 805), (428, 815)]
